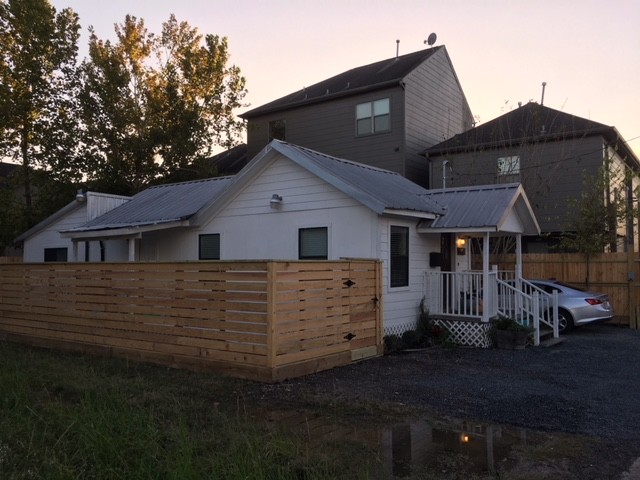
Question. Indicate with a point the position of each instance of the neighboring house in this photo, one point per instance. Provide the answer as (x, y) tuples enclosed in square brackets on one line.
[(551, 153), (230, 161), (383, 114), (290, 202), (43, 243)]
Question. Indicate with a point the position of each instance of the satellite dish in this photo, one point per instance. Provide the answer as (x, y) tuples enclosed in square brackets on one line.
[(431, 40)]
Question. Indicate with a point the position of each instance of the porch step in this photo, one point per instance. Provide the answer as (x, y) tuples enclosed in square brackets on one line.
[(547, 340)]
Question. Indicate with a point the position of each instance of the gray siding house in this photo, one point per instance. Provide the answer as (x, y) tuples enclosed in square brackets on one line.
[(551, 153), (383, 114)]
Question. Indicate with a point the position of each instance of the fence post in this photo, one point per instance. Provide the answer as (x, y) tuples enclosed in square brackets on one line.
[(271, 316), (633, 289)]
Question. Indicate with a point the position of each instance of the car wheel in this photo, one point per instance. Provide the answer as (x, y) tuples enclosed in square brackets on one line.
[(565, 321)]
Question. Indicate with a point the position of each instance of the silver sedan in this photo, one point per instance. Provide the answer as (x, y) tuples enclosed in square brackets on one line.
[(577, 306)]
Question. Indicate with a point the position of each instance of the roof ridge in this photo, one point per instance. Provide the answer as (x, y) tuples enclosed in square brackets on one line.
[(199, 180)]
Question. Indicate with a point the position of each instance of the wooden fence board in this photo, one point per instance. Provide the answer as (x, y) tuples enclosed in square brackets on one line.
[(260, 320)]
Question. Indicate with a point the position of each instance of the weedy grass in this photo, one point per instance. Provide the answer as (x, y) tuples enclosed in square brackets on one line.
[(68, 416)]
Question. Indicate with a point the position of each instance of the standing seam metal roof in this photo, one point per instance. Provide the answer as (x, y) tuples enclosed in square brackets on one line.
[(161, 204), (377, 188), (478, 207)]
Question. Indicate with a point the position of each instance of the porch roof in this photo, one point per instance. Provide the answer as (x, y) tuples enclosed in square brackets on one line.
[(486, 208)]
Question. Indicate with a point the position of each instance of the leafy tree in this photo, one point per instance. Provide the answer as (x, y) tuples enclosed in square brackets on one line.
[(154, 105), (38, 51)]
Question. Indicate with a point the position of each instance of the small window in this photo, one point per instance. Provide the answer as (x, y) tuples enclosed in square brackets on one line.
[(313, 243), (55, 254), (277, 130), (373, 117), (509, 169), (209, 248), (399, 257)]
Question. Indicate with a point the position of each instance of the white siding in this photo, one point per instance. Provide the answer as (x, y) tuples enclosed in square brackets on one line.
[(49, 237), (402, 305), (250, 229)]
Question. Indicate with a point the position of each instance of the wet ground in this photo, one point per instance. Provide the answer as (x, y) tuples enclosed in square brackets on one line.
[(571, 411)]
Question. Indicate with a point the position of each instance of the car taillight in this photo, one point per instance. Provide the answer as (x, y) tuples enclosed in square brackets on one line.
[(593, 301)]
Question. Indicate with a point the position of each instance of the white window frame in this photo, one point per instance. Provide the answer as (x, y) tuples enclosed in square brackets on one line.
[(372, 111), (508, 165)]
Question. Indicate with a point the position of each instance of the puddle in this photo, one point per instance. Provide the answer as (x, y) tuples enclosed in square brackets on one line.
[(418, 445)]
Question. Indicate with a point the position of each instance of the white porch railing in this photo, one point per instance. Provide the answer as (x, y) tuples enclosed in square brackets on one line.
[(460, 294)]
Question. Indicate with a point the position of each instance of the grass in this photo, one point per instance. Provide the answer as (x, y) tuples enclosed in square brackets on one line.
[(66, 416)]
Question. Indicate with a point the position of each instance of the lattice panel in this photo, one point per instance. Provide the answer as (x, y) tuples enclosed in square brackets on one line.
[(470, 334), (399, 329)]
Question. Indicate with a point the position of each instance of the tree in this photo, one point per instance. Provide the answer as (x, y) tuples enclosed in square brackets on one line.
[(153, 105), (600, 213), (38, 114)]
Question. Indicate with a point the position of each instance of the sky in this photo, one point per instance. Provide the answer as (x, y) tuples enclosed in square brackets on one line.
[(587, 51)]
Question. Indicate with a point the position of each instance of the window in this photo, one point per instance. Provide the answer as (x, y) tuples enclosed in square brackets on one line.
[(399, 261), (509, 169), (209, 248), (277, 130), (373, 117), (55, 254), (313, 243)]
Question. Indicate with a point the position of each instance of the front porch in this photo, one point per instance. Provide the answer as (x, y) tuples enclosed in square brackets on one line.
[(467, 302)]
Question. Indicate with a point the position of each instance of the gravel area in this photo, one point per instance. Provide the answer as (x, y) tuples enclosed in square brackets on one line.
[(589, 384)]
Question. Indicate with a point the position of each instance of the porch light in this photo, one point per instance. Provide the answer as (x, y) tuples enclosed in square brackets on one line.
[(275, 200), (461, 242)]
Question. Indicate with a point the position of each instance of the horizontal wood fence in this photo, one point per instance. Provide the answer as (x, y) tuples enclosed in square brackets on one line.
[(263, 320), (616, 274)]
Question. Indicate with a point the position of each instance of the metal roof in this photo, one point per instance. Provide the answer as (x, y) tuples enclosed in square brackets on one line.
[(357, 80), (381, 190), (160, 204), (484, 208)]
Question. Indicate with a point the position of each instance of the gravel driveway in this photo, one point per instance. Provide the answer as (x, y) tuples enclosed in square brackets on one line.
[(589, 384)]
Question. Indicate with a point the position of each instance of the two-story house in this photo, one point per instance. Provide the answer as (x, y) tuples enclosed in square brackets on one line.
[(383, 114), (551, 153)]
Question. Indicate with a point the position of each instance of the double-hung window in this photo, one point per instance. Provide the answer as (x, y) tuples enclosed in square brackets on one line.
[(209, 246), (313, 243), (509, 169), (373, 117), (399, 257)]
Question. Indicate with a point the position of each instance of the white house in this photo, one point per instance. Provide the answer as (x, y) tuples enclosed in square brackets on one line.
[(290, 202), (43, 242)]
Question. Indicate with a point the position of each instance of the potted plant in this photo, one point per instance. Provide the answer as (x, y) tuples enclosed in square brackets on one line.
[(510, 334)]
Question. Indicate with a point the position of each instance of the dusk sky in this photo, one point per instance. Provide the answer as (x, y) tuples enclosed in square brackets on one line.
[(587, 51)]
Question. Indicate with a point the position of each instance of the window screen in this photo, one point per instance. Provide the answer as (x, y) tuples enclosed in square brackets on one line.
[(313, 243), (399, 261), (209, 248), (55, 254)]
